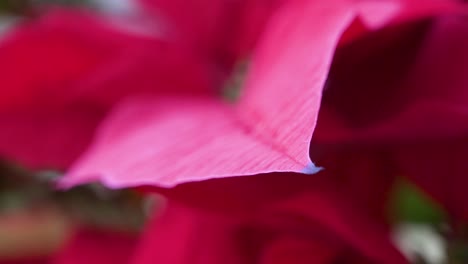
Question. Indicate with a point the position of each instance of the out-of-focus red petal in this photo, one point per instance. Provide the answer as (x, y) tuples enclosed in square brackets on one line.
[(436, 90), (26, 260), (39, 59), (425, 101), (292, 228), (47, 138), (367, 175), (200, 24), (326, 208), (439, 168), (417, 112), (374, 15), (238, 194), (68, 56), (409, 88), (182, 235), (88, 245), (298, 251), (431, 103), (253, 18), (365, 85), (224, 30), (437, 117), (412, 10)]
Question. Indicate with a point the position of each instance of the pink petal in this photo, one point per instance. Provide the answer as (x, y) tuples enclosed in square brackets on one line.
[(167, 142), (376, 14), (284, 85)]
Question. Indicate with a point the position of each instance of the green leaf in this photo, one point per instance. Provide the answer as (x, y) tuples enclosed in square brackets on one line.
[(410, 204)]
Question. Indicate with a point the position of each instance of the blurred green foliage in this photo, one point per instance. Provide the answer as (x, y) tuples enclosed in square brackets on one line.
[(29, 7), (91, 204), (410, 204), (232, 88)]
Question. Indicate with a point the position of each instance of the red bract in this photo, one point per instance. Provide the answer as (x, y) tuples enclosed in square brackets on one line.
[(436, 161), (161, 124), (94, 246), (317, 226), (402, 92), (27, 261)]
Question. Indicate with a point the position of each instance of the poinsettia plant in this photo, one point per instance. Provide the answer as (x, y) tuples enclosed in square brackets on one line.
[(302, 131)]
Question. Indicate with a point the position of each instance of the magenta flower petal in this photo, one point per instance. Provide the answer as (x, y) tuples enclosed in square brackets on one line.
[(170, 141), (284, 86), (166, 142)]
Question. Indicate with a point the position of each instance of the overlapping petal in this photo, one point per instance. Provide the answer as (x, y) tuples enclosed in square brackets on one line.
[(408, 100), (318, 226), (62, 72)]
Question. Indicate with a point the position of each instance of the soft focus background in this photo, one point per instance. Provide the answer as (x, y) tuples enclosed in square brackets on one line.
[(36, 220)]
